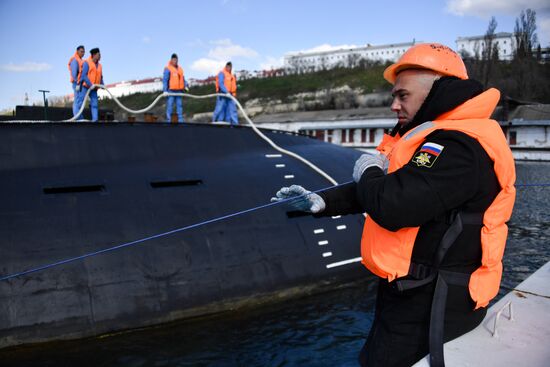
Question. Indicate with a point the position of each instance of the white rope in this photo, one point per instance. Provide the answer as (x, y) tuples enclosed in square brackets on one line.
[(168, 94)]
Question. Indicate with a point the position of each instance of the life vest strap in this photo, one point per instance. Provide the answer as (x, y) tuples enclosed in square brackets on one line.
[(420, 275)]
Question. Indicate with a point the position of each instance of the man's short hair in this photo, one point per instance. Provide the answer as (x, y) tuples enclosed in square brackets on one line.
[(174, 56), (80, 48), (94, 51), (229, 63)]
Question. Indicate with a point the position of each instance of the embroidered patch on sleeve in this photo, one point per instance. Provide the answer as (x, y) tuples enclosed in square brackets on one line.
[(427, 155)]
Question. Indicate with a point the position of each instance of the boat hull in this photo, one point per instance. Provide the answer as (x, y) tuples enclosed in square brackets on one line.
[(71, 189)]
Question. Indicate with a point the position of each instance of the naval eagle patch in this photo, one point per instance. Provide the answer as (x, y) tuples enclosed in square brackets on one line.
[(427, 155)]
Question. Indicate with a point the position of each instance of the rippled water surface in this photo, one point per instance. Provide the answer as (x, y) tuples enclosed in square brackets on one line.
[(322, 330)]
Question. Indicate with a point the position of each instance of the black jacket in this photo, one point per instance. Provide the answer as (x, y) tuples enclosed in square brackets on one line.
[(461, 178)]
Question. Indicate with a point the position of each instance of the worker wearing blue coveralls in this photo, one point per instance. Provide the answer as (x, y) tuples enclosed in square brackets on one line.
[(75, 67), (173, 81), (92, 73), (226, 83)]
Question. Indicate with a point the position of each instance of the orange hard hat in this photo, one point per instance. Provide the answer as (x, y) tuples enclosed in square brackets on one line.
[(430, 56)]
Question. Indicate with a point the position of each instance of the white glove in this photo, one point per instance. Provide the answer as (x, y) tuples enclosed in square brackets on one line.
[(306, 201), (367, 161), (78, 87)]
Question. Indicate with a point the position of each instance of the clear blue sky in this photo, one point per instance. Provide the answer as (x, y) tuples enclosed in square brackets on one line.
[(136, 38)]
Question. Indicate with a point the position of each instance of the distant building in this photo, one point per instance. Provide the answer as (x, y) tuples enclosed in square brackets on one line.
[(349, 57), (527, 130), (528, 139), (200, 82), (149, 85), (475, 45), (125, 88), (358, 128)]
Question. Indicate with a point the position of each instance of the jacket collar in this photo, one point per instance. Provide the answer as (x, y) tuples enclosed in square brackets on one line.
[(479, 107)]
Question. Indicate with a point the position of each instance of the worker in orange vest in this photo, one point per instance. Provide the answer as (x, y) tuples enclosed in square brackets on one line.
[(437, 197), (225, 109), (75, 67), (174, 82), (92, 73)]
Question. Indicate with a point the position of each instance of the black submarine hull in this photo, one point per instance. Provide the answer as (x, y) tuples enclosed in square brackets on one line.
[(70, 189)]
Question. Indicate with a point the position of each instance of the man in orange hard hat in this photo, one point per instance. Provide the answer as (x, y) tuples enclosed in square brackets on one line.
[(437, 197)]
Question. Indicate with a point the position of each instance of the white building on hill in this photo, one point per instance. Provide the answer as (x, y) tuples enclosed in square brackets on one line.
[(476, 45), (121, 89), (348, 57)]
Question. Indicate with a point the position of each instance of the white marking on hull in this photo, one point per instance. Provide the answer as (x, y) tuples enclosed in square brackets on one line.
[(273, 155), (323, 243), (344, 262), (319, 230), (343, 226), (289, 176), (280, 165), (327, 254), (337, 217)]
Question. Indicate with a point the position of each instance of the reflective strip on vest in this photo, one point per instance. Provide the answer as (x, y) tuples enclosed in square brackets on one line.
[(388, 254), (176, 81)]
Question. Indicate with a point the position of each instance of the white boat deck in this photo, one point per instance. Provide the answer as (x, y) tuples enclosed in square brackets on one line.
[(522, 341)]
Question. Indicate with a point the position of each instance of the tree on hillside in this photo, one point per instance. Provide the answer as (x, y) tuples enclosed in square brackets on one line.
[(525, 77), (490, 51), (353, 60), (524, 67), (525, 33)]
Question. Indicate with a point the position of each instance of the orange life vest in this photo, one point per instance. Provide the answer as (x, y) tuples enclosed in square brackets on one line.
[(94, 72), (176, 81), (80, 63), (388, 254), (229, 81)]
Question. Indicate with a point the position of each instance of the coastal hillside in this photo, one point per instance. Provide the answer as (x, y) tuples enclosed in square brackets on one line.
[(345, 89), (340, 88)]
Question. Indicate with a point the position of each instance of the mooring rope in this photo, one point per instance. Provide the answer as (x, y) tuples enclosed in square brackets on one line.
[(193, 96), (217, 219)]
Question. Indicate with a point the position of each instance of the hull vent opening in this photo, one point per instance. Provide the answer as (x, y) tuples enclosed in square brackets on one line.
[(174, 183), (74, 189), (297, 214)]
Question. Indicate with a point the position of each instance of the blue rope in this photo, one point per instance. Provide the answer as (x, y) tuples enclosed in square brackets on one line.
[(533, 185), (163, 234), (186, 228)]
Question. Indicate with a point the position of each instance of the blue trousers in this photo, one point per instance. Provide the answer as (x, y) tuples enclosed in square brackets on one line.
[(219, 110), (77, 101), (231, 112), (226, 110), (93, 102), (170, 105)]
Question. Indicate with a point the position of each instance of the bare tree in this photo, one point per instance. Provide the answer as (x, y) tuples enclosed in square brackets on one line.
[(294, 64), (489, 51), (353, 60), (477, 55), (323, 65), (525, 33)]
